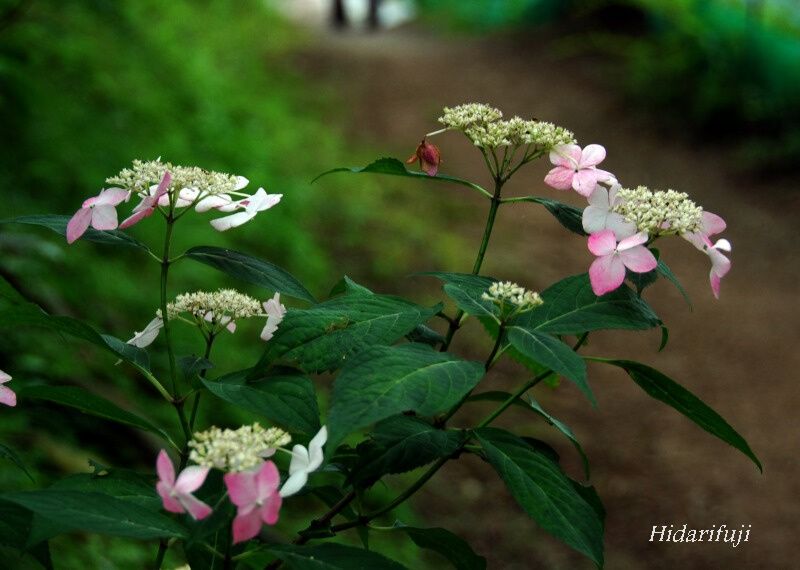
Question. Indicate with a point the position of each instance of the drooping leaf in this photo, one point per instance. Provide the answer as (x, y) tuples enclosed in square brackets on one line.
[(386, 380), (570, 307), (326, 335), (330, 556), (663, 388), (89, 403), (552, 353), (394, 167), (96, 512), (402, 443), (58, 224), (11, 455), (453, 548), (546, 494), (664, 270), (470, 302), (346, 286), (563, 428), (250, 270), (286, 399), (568, 216), (462, 280)]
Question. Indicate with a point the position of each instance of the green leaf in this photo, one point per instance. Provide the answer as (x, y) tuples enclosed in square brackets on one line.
[(15, 528), (663, 388), (329, 556), (58, 224), (664, 270), (454, 548), (11, 455), (121, 484), (383, 381), (286, 399), (9, 293), (462, 280), (326, 335), (546, 494), (402, 443), (470, 302), (425, 335), (251, 270), (563, 428), (568, 216), (570, 307), (32, 315), (89, 403), (553, 354), (345, 285), (96, 512), (394, 167)]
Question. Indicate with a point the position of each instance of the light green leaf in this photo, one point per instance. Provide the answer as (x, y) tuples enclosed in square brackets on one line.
[(546, 494), (383, 381), (454, 548), (250, 270), (58, 224), (553, 354), (663, 388)]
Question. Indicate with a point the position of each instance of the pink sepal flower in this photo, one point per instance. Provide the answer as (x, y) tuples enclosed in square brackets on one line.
[(710, 225), (576, 168), (255, 494), (607, 272), (176, 494), (148, 204), (7, 395), (99, 211), (599, 214)]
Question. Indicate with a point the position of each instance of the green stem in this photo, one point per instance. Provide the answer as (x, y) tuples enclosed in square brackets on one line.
[(162, 551), (196, 403), (165, 262)]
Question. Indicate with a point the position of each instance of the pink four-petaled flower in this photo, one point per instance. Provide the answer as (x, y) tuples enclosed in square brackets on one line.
[(176, 494), (712, 224), (148, 204), (99, 211), (607, 272), (255, 494), (576, 168), (7, 395)]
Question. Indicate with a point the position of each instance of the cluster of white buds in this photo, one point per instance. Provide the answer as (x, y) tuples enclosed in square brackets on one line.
[(658, 212), (462, 117), (219, 306), (236, 450), (512, 299), (144, 174)]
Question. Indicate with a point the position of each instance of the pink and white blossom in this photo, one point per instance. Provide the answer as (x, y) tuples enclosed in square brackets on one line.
[(255, 494), (100, 212), (252, 205), (599, 214), (7, 395), (304, 461), (712, 224), (576, 168), (176, 494), (275, 312), (148, 205), (607, 272)]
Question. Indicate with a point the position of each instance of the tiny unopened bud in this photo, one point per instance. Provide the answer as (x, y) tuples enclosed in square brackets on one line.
[(428, 156)]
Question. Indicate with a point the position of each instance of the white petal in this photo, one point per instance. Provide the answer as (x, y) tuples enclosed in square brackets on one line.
[(232, 221), (148, 335), (300, 459), (294, 483)]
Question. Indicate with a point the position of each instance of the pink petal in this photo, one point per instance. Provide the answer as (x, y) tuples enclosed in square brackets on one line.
[(169, 502), (560, 178), (163, 186), (270, 509), (592, 155), (4, 377), (638, 259), (104, 218), (566, 155), (165, 469), (7, 396), (713, 224), (602, 243), (78, 224), (720, 264), (111, 197), (606, 274), (191, 479), (267, 479), (231, 326), (585, 181), (194, 506), (241, 488), (246, 526), (135, 218), (633, 241)]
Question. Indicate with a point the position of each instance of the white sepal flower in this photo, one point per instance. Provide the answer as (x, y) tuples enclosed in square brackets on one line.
[(252, 205), (275, 313), (146, 336), (304, 461)]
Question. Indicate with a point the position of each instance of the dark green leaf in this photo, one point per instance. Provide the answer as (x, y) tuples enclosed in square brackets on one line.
[(347, 286), (89, 403), (251, 270), (9, 293), (425, 335), (664, 270), (553, 354), (470, 301), (326, 335), (15, 528), (400, 444), (191, 367), (570, 307), (96, 512), (11, 455), (330, 556), (663, 388), (394, 167), (288, 400), (546, 494), (462, 280), (568, 216), (118, 483), (58, 224), (383, 381), (454, 548), (563, 428)]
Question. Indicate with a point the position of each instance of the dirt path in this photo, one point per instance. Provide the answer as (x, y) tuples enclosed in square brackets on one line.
[(650, 465)]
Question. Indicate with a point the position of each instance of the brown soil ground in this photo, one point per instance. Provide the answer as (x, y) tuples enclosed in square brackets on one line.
[(650, 465)]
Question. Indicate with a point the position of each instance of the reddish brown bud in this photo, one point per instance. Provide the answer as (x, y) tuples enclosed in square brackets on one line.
[(428, 156)]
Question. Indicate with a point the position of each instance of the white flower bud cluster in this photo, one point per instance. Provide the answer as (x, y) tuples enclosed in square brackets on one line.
[(144, 174), (465, 116), (236, 450), (658, 212), (220, 306), (504, 293)]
